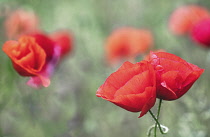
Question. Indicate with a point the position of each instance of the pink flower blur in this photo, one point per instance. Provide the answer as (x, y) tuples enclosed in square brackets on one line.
[(184, 18), (20, 22), (201, 32)]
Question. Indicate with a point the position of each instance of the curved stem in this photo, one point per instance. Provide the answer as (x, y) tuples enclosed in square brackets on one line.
[(158, 114), (150, 130), (153, 116)]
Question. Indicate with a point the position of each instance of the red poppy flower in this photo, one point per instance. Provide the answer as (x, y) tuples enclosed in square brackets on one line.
[(34, 55), (20, 22), (64, 40), (184, 18), (131, 87), (201, 32), (53, 53), (27, 56), (174, 75), (127, 43)]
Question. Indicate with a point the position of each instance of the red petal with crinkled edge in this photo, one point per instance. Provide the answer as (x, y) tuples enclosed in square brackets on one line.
[(166, 55), (175, 77), (150, 101), (170, 82), (137, 102), (131, 87)]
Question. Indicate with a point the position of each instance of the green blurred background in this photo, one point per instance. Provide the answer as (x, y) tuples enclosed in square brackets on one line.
[(69, 107)]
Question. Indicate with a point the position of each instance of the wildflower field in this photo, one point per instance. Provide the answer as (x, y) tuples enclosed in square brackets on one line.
[(104, 68)]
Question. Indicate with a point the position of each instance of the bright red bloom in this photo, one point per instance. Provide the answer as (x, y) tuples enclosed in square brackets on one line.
[(65, 40), (184, 18), (174, 75), (127, 43), (27, 56), (132, 87), (20, 22), (201, 32)]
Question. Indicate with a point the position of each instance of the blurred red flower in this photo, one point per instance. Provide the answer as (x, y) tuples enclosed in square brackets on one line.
[(127, 43), (132, 87), (64, 39), (184, 18), (35, 52), (27, 56), (20, 22), (201, 32), (174, 75)]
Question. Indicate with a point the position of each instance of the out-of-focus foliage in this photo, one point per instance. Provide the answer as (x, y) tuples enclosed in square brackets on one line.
[(69, 107)]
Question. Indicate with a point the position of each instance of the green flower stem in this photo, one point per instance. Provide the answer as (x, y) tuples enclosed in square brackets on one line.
[(156, 120), (160, 102), (163, 129), (158, 114)]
